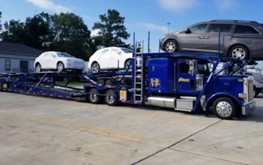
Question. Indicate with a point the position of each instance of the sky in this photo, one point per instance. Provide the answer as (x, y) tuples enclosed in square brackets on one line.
[(141, 16)]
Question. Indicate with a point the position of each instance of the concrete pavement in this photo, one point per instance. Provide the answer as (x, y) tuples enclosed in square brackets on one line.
[(41, 131)]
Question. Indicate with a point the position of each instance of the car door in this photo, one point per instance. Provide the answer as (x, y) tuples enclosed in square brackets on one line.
[(211, 40), (115, 59), (47, 61), (103, 58), (192, 38)]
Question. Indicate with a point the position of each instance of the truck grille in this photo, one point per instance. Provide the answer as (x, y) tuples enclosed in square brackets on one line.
[(250, 90)]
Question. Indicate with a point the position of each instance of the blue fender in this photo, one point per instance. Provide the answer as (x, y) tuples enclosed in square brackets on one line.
[(207, 101)]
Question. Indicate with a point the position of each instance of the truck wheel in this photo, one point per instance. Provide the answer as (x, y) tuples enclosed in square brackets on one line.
[(224, 108), (111, 97), (93, 96)]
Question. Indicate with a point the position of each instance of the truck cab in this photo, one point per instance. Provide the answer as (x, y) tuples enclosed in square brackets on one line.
[(187, 83)]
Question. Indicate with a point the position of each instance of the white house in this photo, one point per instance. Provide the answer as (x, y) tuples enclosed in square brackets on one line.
[(16, 58)]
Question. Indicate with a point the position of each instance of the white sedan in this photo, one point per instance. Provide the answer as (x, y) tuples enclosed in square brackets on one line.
[(58, 61), (110, 58)]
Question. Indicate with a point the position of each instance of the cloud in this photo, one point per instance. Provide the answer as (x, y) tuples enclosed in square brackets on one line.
[(227, 4), (178, 5), (50, 5), (153, 27), (95, 33)]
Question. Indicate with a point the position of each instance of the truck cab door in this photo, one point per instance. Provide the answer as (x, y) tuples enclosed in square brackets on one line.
[(186, 76)]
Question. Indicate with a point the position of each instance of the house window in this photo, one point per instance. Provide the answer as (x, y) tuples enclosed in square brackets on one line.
[(7, 65), (24, 66)]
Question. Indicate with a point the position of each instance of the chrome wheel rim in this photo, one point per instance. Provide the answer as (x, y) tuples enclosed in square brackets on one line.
[(170, 47), (93, 97), (60, 67), (38, 68), (95, 68), (224, 109), (239, 53), (110, 98)]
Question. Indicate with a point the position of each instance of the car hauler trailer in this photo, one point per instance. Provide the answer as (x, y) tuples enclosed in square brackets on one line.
[(183, 81)]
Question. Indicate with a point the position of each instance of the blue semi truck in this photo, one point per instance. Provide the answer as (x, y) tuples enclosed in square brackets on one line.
[(183, 81)]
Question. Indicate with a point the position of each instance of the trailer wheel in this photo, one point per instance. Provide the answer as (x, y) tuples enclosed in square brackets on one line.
[(93, 96), (224, 108), (111, 97)]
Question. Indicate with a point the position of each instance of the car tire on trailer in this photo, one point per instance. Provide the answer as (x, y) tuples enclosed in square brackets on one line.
[(60, 67), (127, 64), (95, 67), (239, 52), (224, 108), (170, 46), (93, 96), (111, 97), (38, 68)]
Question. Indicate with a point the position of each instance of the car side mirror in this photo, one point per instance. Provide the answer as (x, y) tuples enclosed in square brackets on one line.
[(187, 31)]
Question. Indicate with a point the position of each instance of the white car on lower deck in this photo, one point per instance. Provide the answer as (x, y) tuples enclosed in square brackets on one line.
[(59, 61), (110, 58)]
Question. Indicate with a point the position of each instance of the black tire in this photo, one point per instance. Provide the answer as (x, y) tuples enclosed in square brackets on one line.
[(170, 46), (1, 86), (239, 52), (111, 97), (224, 108), (60, 67), (127, 64), (38, 68), (93, 96), (256, 91), (109, 82), (95, 67)]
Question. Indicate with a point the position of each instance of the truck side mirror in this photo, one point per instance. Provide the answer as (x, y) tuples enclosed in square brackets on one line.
[(192, 67)]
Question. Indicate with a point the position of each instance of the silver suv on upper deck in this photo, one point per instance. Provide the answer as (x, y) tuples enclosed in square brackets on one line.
[(238, 39)]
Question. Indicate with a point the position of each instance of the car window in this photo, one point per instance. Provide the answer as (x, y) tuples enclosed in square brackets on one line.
[(184, 67), (116, 51), (222, 27), (200, 28), (126, 50), (63, 54), (105, 51), (242, 29)]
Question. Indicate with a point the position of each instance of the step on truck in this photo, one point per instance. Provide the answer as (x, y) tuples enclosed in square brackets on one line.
[(183, 81)]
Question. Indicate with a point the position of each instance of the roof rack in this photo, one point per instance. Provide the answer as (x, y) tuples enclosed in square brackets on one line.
[(229, 20)]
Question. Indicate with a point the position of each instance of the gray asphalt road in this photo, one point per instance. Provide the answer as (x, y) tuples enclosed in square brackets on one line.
[(45, 131)]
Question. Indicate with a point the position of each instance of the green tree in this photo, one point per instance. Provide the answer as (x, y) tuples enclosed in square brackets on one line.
[(70, 34), (37, 30), (14, 32), (111, 30), (60, 32)]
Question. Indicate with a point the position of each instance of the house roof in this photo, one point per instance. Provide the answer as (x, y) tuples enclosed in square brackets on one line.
[(18, 49)]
